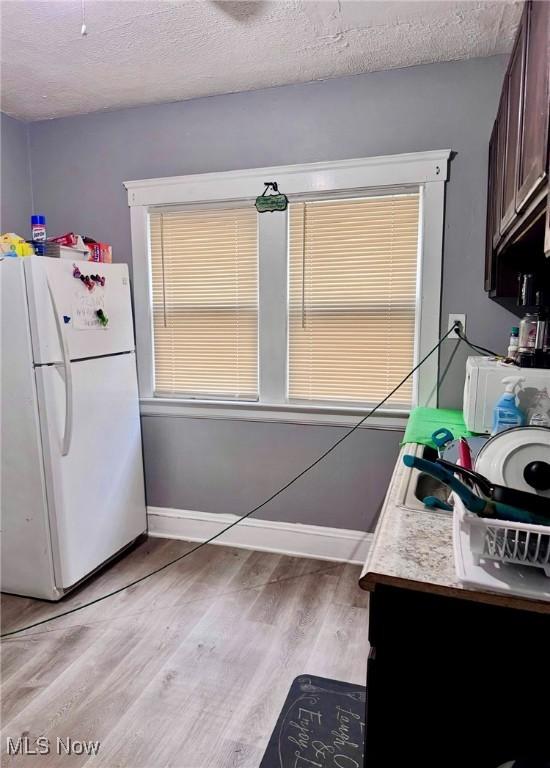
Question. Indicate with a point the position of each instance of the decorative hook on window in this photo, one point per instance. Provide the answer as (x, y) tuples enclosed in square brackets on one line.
[(273, 202)]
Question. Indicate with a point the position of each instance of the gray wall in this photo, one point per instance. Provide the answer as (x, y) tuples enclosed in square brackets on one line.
[(15, 185), (79, 165), (231, 466)]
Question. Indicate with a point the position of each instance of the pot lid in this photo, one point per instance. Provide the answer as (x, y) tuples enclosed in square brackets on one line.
[(518, 458)]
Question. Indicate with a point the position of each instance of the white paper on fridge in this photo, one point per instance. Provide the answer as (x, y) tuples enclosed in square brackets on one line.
[(85, 311)]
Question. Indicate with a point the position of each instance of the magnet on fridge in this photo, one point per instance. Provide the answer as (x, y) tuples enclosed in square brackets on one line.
[(66, 319), (90, 281), (85, 278), (102, 317)]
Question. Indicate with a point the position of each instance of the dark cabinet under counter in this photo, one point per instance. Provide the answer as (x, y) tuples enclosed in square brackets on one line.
[(456, 676), (454, 682)]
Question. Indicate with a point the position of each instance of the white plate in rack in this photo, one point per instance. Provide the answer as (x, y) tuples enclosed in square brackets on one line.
[(508, 578)]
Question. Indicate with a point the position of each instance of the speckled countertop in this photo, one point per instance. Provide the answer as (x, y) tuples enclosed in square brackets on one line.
[(413, 549)]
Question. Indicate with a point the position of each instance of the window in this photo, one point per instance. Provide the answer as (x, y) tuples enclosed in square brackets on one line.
[(352, 298), (204, 279), (318, 310)]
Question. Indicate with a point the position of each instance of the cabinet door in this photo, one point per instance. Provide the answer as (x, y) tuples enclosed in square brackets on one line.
[(499, 160), (547, 229), (533, 152), (515, 78), (491, 210)]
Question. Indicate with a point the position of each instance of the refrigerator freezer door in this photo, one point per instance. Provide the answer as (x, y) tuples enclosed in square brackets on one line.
[(95, 492), (26, 555), (54, 291)]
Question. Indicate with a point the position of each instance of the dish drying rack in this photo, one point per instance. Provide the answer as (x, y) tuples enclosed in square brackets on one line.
[(506, 541), (510, 545), (500, 555)]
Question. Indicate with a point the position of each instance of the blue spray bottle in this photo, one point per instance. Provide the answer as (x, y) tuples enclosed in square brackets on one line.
[(507, 413)]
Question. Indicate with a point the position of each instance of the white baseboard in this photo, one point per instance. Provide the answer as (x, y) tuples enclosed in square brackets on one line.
[(315, 541)]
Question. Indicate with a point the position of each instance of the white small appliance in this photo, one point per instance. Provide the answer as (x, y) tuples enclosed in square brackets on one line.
[(72, 492), (483, 387)]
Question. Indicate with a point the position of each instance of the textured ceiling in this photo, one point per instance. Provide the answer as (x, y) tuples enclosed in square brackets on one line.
[(159, 50)]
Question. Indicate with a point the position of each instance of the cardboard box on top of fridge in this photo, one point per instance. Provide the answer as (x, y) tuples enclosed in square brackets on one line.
[(14, 245), (57, 251), (69, 239), (95, 251), (99, 251)]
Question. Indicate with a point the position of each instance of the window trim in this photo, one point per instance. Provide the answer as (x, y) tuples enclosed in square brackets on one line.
[(426, 171)]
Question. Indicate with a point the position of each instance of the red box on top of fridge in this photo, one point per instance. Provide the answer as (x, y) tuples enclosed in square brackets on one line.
[(99, 251), (69, 239)]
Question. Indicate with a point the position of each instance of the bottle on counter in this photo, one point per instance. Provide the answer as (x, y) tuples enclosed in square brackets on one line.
[(507, 413), (528, 332), (513, 344)]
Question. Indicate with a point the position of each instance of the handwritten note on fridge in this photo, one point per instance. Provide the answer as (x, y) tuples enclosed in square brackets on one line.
[(85, 311)]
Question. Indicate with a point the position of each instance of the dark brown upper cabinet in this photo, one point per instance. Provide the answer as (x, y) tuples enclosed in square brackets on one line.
[(533, 144), (500, 164), (518, 187), (492, 220), (514, 90)]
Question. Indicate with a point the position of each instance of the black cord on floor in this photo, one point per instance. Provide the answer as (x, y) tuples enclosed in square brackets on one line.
[(248, 514)]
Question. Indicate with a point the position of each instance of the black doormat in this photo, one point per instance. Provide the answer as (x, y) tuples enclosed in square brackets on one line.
[(322, 723)]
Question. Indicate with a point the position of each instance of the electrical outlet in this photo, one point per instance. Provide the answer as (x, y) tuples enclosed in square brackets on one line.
[(452, 320)]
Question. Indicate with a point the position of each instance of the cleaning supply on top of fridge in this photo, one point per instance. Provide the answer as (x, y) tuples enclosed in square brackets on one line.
[(507, 413), (38, 233), (38, 228), (513, 344)]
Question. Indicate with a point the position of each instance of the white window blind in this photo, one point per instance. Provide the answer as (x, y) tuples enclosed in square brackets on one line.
[(204, 267), (352, 297)]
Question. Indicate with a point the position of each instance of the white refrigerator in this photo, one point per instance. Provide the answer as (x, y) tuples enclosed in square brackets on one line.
[(72, 493)]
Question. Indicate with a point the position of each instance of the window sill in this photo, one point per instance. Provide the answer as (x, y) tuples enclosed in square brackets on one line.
[(386, 419)]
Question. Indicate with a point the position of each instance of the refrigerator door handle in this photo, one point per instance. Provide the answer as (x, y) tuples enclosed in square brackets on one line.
[(67, 434)]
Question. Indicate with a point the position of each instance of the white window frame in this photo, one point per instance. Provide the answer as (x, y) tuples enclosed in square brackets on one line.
[(423, 171)]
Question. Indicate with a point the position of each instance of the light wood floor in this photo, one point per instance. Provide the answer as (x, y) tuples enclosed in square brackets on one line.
[(188, 669)]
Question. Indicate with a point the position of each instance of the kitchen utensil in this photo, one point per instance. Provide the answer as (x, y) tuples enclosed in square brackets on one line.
[(432, 502), (464, 453), (530, 502), (472, 502), (441, 437), (450, 451), (518, 458)]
